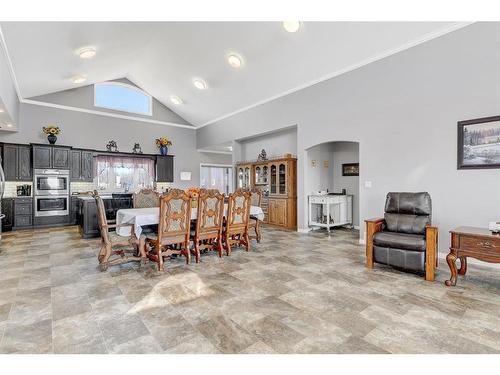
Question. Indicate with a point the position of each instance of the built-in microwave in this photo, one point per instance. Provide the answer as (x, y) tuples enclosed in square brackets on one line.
[(51, 205), (51, 182)]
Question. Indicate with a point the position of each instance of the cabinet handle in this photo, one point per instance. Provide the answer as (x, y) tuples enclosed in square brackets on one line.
[(486, 244)]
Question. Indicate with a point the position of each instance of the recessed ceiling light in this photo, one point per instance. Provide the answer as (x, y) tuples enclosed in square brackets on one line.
[(175, 99), (2, 110), (78, 79), (199, 84), (234, 60), (86, 52), (291, 26), (9, 125)]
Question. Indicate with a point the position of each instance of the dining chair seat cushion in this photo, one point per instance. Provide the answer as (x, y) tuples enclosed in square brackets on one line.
[(165, 240), (114, 237)]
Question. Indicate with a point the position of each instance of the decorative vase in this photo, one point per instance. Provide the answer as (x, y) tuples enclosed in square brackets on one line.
[(52, 139), (163, 150)]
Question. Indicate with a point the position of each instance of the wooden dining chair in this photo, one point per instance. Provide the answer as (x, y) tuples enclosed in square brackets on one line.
[(235, 231), (254, 223), (122, 249), (208, 227), (146, 198), (173, 230)]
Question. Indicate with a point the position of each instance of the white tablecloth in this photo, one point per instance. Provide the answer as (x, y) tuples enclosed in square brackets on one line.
[(150, 216)]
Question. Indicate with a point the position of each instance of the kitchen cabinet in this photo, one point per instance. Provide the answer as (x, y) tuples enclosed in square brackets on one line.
[(8, 211), (23, 212), (73, 210), (51, 157), (87, 212), (82, 165), (165, 168), (17, 162)]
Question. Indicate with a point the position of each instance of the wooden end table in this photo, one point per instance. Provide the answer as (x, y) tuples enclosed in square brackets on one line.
[(478, 243)]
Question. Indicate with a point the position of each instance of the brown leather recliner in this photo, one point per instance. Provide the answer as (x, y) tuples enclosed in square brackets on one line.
[(404, 238)]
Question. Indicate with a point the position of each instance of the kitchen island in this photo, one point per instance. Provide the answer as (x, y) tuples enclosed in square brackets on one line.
[(87, 211)]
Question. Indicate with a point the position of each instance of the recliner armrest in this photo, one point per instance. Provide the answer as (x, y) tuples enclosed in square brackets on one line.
[(431, 251), (372, 226)]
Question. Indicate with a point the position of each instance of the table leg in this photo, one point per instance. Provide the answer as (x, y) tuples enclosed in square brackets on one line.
[(463, 266), (451, 259), (328, 217)]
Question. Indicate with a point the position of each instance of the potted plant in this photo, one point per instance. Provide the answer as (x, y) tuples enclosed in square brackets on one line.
[(162, 143), (52, 131), (193, 192)]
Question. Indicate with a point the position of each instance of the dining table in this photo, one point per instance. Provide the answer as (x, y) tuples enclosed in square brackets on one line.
[(140, 217)]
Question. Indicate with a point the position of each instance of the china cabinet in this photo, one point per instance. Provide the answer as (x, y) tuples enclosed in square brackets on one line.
[(277, 180)]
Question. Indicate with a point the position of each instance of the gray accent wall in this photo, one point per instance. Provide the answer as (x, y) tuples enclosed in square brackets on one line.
[(83, 97), (94, 131), (403, 111), (342, 153), (8, 94), (276, 144)]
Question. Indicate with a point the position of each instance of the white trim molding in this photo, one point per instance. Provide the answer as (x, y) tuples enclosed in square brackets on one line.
[(214, 151), (101, 113), (303, 230), (379, 56)]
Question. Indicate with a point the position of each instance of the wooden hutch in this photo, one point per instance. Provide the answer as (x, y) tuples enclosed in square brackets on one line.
[(277, 178)]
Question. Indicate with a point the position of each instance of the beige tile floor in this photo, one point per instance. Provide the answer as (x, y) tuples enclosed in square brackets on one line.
[(293, 293)]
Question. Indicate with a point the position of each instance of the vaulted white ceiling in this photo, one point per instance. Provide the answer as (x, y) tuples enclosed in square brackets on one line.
[(164, 57)]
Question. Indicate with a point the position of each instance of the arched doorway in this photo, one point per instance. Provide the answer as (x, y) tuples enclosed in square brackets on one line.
[(330, 169)]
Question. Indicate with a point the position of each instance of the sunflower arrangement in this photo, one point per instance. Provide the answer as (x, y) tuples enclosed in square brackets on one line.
[(163, 141), (193, 191), (51, 130)]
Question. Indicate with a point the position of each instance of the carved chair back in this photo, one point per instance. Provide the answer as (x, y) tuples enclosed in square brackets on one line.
[(210, 211), (146, 198), (256, 197), (238, 209), (101, 219), (175, 216)]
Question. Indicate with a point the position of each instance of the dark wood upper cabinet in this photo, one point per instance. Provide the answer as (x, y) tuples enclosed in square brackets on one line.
[(76, 165), (60, 158), (42, 157), (87, 166), (17, 162), (24, 163), (48, 157), (165, 168), (82, 165), (10, 162)]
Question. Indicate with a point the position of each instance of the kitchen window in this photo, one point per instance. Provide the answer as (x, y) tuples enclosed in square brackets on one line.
[(122, 97), (123, 174), (218, 177)]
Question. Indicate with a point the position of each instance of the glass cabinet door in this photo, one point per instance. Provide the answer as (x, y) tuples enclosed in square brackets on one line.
[(247, 177), (258, 175), (240, 178), (282, 178), (273, 179), (265, 171)]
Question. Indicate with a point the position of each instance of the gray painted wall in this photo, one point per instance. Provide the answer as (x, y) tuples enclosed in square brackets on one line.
[(8, 95), (275, 144), (403, 111), (83, 97), (321, 177), (94, 131), (346, 152)]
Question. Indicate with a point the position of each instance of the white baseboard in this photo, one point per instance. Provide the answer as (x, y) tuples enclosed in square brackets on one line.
[(362, 241), (303, 230), (356, 227)]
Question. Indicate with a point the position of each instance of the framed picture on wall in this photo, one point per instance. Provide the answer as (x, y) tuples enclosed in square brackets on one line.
[(479, 143), (350, 169)]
